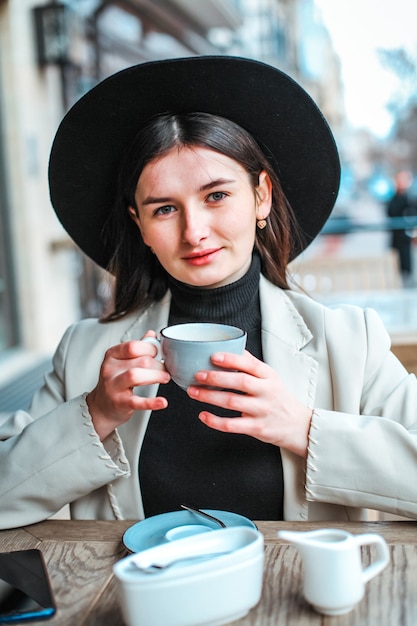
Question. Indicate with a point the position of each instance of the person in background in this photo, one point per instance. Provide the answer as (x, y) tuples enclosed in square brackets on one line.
[(195, 182), (401, 206)]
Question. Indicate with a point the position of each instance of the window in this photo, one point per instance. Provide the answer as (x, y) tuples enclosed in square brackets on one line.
[(8, 317)]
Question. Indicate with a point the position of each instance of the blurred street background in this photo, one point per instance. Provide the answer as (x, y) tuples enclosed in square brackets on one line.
[(356, 58)]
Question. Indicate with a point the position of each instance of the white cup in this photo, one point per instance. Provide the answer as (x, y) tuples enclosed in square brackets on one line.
[(187, 348), (334, 576)]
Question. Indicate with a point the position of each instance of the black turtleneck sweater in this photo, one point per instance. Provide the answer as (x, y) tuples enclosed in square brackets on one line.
[(184, 461)]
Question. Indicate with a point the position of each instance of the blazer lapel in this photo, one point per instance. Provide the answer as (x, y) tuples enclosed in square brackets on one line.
[(154, 317), (284, 335)]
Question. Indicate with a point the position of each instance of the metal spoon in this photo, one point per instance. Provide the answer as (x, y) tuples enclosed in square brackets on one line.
[(153, 568), (203, 514)]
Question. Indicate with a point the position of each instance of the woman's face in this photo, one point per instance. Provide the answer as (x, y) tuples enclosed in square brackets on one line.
[(197, 211)]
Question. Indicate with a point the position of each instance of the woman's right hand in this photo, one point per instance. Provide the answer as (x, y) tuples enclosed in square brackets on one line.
[(125, 366)]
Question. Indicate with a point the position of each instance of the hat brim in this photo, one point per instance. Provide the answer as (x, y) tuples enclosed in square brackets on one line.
[(266, 102)]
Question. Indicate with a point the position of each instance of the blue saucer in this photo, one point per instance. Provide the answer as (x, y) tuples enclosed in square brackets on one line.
[(167, 527)]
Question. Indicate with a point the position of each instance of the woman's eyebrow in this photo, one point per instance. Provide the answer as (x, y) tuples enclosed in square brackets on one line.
[(152, 200), (217, 183), (210, 185)]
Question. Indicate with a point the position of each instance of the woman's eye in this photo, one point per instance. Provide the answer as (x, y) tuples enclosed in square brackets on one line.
[(216, 196), (164, 210)]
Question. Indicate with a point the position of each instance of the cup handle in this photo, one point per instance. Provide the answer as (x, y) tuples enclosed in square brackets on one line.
[(155, 342), (382, 554)]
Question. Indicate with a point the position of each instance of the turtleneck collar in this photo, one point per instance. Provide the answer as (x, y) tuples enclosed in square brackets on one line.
[(236, 303)]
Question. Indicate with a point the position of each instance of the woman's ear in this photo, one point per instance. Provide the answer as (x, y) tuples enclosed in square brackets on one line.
[(263, 196), (134, 215)]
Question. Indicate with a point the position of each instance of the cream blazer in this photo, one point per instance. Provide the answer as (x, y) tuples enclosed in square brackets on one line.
[(363, 439)]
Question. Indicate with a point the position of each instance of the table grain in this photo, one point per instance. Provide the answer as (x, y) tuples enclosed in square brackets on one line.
[(80, 556)]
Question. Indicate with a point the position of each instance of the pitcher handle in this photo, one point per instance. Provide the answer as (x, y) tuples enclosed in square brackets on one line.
[(382, 554)]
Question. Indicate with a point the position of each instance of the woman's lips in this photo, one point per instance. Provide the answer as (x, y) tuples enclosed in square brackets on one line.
[(202, 258)]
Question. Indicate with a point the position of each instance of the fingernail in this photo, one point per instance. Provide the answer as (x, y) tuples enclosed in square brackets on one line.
[(193, 391)]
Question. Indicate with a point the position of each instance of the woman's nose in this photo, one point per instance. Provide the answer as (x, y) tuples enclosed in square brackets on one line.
[(195, 227)]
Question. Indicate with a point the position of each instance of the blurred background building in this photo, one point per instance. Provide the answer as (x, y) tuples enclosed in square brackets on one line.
[(51, 53)]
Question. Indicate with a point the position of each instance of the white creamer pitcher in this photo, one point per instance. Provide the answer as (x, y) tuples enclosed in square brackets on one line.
[(334, 576)]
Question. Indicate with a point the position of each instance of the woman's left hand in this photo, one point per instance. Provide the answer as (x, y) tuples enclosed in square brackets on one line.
[(269, 412)]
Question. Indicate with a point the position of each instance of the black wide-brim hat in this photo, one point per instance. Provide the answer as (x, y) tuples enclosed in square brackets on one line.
[(264, 101)]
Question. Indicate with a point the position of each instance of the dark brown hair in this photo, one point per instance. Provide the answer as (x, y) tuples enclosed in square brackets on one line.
[(139, 277)]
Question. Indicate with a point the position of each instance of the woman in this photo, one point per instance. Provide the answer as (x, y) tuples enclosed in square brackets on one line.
[(195, 182)]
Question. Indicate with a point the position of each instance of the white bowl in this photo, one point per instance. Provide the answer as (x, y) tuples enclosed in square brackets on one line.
[(206, 592)]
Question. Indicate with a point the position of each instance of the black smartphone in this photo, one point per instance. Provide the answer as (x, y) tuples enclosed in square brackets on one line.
[(25, 590)]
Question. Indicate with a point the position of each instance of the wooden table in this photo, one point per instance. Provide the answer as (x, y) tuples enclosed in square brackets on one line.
[(80, 555)]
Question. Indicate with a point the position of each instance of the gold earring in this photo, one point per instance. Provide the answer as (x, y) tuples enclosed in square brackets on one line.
[(261, 224)]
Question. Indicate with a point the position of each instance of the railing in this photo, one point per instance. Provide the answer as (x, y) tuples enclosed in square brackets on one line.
[(346, 225), (326, 275)]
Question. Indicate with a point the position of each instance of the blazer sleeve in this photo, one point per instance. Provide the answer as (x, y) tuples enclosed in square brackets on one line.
[(51, 455), (366, 457)]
